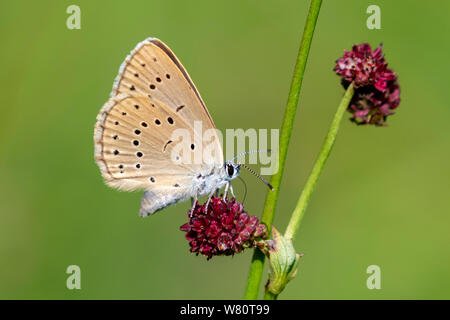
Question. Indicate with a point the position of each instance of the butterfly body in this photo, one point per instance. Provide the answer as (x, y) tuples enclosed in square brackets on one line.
[(203, 184), (152, 97), (217, 178)]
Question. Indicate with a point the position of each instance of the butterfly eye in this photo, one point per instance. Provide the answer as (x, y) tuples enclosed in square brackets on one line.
[(230, 170)]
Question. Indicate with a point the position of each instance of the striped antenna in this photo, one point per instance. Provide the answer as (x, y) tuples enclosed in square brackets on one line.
[(256, 175)]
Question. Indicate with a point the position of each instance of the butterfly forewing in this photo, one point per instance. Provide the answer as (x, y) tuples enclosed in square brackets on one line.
[(153, 70)]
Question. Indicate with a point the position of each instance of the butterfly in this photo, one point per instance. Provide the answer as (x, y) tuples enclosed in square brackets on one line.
[(152, 97)]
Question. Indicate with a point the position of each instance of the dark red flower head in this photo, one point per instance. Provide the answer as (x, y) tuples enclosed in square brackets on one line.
[(377, 91), (225, 229)]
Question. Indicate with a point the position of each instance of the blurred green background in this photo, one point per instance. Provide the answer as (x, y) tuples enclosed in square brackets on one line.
[(383, 198)]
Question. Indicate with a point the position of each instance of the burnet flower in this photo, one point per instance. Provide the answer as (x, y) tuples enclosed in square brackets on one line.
[(224, 229), (377, 92)]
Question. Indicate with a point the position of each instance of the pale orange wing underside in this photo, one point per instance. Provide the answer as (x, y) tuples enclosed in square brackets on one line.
[(134, 143), (153, 70)]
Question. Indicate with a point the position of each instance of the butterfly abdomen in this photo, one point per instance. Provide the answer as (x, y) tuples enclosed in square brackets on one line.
[(153, 201), (208, 183)]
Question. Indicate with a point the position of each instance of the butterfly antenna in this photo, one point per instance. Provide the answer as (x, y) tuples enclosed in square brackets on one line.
[(245, 188), (256, 175), (249, 152)]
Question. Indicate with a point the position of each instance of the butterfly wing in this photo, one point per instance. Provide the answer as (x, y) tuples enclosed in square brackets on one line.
[(134, 150), (153, 70), (134, 147)]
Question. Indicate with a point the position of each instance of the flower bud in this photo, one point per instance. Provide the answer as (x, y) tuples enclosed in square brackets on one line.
[(283, 261)]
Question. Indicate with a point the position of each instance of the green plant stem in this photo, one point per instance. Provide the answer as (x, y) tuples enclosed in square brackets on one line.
[(302, 203), (257, 263), (270, 296)]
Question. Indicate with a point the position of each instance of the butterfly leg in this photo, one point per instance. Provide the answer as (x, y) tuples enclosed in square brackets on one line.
[(207, 202), (193, 203), (231, 191), (226, 190)]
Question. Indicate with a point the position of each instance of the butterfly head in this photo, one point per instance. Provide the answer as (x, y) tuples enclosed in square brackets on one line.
[(232, 170)]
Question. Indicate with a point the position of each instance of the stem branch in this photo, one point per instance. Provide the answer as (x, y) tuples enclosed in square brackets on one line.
[(257, 264), (302, 203)]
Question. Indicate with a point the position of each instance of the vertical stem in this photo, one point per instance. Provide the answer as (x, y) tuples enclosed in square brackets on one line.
[(302, 203), (257, 264)]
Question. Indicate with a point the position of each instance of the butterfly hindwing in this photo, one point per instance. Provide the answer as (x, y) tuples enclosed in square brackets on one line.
[(134, 143)]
